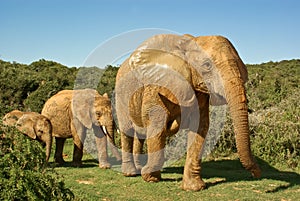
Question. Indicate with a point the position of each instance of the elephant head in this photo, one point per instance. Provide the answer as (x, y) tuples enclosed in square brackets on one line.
[(90, 108), (37, 127), (32, 124), (233, 73)]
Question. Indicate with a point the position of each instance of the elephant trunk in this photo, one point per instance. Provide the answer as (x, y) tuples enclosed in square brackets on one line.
[(47, 138), (48, 148), (109, 131), (111, 141), (237, 101)]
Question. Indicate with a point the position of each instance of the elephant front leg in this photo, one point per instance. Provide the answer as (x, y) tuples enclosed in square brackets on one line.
[(78, 140), (101, 143), (59, 146), (192, 180), (77, 153)]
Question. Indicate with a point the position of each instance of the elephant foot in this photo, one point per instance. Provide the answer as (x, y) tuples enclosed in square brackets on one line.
[(59, 161), (129, 170), (76, 164), (149, 175), (104, 165), (193, 184), (152, 177), (139, 169)]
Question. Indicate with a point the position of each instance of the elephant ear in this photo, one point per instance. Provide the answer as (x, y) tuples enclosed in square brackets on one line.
[(163, 59), (162, 69), (82, 104), (11, 118), (25, 125)]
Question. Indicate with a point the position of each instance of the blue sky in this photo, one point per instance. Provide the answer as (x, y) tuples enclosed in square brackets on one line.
[(68, 31)]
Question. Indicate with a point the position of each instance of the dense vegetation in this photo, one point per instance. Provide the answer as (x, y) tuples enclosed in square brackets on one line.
[(27, 87), (23, 175), (273, 97)]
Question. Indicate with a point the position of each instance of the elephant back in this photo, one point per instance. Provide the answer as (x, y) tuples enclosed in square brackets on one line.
[(57, 109)]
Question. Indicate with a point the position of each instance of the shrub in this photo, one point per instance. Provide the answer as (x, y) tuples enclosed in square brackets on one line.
[(23, 175)]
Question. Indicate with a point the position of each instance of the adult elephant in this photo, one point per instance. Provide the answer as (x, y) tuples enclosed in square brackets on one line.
[(167, 84), (32, 124), (71, 113)]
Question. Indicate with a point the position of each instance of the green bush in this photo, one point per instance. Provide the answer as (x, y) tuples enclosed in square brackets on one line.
[(23, 175)]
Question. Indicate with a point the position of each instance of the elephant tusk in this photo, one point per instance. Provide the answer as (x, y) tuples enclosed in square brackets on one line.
[(104, 130)]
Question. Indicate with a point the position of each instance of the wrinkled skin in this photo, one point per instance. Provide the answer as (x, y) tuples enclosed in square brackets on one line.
[(32, 124), (71, 113), (167, 84)]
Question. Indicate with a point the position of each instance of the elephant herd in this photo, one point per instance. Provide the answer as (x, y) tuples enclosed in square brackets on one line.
[(166, 85)]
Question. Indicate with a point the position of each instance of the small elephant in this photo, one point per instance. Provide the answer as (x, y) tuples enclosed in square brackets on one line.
[(71, 113), (167, 84), (32, 124)]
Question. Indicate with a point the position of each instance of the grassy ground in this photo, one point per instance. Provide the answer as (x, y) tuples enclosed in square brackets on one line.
[(225, 178)]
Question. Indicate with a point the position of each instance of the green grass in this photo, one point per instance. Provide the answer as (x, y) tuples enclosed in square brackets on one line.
[(226, 180)]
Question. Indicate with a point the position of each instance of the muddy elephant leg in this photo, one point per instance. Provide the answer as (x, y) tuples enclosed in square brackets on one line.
[(58, 156), (137, 151), (101, 143), (78, 140), (156, 139), (151, 171), (128, 167), (192, 180), (102, 152)]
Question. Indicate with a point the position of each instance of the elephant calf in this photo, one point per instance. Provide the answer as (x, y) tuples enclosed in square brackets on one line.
[(32, 124), (71, 113)]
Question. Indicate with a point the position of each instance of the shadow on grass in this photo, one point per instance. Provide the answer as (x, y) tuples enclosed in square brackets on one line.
[(87, 163), (232, 171)]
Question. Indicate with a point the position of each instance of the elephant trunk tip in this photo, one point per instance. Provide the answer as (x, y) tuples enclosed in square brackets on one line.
[(253, 167), (255, 171)]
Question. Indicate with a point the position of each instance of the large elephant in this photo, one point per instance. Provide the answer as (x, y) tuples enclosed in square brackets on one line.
[(167, 84), (32, 124), (71, 113)]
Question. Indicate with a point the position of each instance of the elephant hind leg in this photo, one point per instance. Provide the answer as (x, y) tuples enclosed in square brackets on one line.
[(128, 167), (58, 158), (151, 171), (157, 116), (137, 152)]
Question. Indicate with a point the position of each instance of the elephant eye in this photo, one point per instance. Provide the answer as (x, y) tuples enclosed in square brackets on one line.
[(207, 66), (98, 113)]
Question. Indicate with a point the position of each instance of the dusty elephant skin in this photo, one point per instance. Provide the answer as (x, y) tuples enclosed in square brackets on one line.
[(71, 113), (32, 124), (167, 84)]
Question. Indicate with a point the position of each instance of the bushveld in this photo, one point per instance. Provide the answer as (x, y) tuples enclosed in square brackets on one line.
[(273, 98)]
